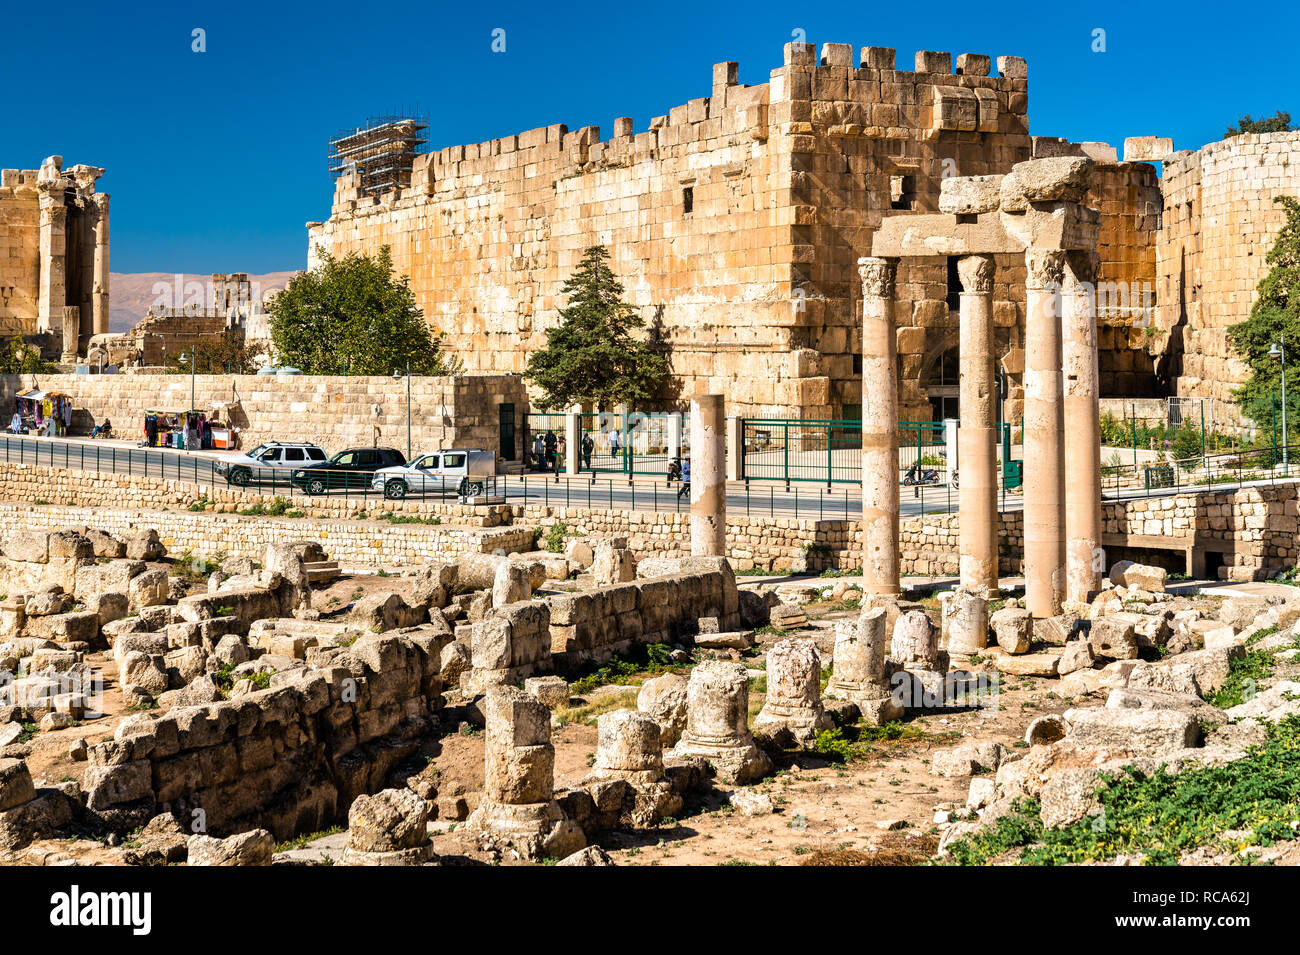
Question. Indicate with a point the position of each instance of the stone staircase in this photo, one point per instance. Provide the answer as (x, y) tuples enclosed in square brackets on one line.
[(321, 571)]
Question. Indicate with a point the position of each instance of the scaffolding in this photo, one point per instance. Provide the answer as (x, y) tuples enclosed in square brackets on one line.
[(382, 151)]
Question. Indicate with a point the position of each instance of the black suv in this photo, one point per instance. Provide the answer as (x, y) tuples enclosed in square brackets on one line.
[(354, 467)]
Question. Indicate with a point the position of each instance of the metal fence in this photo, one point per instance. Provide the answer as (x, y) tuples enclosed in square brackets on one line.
[(830, 451), (632, 443)]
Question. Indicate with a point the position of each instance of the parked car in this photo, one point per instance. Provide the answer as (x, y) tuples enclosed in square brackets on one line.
[(267, 463), (439, 472), (353, 468)]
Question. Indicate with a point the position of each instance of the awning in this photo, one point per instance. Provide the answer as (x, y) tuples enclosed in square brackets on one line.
[(34, 394)]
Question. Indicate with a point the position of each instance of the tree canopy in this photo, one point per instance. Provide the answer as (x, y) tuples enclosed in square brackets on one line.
[(593, 355), (351, 316), (1279, 122), (1276, 312)]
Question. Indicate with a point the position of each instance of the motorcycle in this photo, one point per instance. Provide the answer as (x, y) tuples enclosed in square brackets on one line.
[(917, 475), (674, 470)]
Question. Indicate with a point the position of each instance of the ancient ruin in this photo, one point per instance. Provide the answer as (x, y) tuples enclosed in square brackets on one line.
[(55, 253)]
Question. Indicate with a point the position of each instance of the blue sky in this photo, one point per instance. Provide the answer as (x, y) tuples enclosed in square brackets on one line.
[(216, 159)]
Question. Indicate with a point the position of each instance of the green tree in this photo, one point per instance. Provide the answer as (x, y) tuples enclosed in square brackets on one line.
[(350, 316), (1276, 313), (19, 358), (593, 355), (1279, 122)]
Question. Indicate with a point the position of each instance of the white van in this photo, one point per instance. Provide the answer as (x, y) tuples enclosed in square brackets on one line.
[(439, 472)]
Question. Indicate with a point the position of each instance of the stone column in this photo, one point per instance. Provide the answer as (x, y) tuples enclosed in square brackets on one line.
[(1083, 557), (71, 333), (879, 428), (52, 292), (1044, 446), (922, 681), (519, 778), (977, 435), (628, 746), (717, 723), (708, 477), (859, 674), (99, 324), (792, 711), (572, 440)]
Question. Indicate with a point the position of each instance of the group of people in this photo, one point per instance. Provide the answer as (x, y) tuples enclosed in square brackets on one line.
[(547, 452)]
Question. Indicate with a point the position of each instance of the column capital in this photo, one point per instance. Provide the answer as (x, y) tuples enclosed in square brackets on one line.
[(1046, 267), (877, 276), (976, 273), (100, 199)]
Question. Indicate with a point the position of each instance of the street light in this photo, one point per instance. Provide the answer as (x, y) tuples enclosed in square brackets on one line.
[(183, 359), (397, 374), (1278, 351)]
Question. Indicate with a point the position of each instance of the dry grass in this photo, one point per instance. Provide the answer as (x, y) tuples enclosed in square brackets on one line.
[(602, 701)]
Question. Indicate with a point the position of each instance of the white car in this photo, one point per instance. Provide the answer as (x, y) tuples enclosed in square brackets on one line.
[(263, 464), (439, 472)]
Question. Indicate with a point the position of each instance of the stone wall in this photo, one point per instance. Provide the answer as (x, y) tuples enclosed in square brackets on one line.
[(735, 222), (334, 412), (20, 264), (1219, 223), (289, 759)]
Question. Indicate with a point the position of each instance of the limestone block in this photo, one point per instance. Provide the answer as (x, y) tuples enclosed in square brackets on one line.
[(969, 195)]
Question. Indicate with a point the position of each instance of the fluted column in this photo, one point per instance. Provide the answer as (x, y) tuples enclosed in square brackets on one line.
[(1044, 445), (52, 289), (1083, 554), (977, 433), (879, 428)]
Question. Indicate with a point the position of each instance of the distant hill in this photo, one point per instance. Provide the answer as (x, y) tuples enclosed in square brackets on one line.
[(131, 293)]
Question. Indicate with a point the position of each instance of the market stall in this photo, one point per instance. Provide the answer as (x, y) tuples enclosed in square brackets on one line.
[(223, 432), (41, 412), (186, 430)]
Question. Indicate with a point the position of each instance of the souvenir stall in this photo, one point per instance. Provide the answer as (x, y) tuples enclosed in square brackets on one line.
[(224, 435), (186, 430), (41, 412)]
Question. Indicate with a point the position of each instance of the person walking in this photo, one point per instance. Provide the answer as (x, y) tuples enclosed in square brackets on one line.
[(588, 446), (562, 450), (686, 479), (539, 453), (550, 450)]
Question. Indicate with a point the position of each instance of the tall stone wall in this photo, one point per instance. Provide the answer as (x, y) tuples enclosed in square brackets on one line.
[(334, 412), (20, 263), (735, 222), (1220, 222)]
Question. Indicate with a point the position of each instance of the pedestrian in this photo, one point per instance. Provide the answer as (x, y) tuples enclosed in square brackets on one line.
[(539, 453), (559, 457), (686, 479), (588, 446), (550, 450), (614, 443)]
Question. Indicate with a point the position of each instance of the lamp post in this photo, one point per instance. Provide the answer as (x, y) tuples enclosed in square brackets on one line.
[(189, 359), (1278, 351), (396, 375)]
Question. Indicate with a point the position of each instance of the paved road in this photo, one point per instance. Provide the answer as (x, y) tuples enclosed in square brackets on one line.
[(806, 501)]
